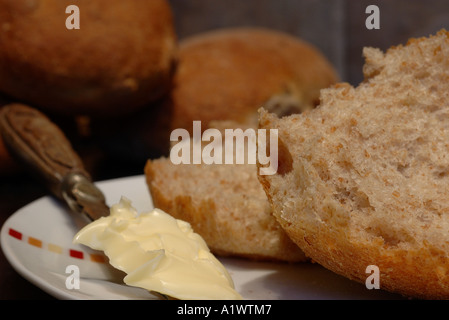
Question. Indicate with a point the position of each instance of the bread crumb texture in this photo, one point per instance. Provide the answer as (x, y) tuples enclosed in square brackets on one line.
[(368, 182)]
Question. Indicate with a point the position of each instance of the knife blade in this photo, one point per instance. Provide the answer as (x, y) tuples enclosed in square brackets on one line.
[(39, 144)]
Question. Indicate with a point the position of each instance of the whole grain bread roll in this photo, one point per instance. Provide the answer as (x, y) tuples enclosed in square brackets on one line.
[(224, 203), (120, 59), (363, 179), (229, 73)]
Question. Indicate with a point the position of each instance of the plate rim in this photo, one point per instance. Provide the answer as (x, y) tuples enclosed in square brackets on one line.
[(21, 269), (25, 272)]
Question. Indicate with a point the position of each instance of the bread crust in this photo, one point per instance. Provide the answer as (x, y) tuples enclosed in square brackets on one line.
[(366, 186), (120, 59), (227, 74)]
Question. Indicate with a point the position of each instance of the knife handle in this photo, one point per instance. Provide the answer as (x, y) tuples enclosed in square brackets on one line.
[(41, 146)]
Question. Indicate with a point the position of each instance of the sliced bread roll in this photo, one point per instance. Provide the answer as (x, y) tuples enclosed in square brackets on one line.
[(364, 178), (225, 204)]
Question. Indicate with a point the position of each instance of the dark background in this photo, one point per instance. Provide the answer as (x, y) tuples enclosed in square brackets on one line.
[(336, 27)]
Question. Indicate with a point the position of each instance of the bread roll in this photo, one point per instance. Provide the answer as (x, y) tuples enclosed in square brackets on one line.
[(228, 74), (224, 203), (120, 59), (363, 179)]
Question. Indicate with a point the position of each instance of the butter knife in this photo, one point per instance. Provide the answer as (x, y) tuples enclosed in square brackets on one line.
[(43, 148)]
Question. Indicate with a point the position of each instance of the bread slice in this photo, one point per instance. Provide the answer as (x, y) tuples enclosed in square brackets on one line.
[(225, 204), (364, 178)]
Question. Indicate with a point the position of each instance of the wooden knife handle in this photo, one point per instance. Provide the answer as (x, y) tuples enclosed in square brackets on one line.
[(41, 145)]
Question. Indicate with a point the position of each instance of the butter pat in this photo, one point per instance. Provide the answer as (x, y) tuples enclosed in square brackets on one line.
[(158, 253)]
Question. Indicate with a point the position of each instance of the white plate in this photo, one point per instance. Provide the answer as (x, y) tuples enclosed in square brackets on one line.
[(37, 241)]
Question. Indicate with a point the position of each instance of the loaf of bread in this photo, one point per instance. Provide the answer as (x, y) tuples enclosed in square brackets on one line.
[(121, 58), (363, 179), (225, 204), (229, 73)]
